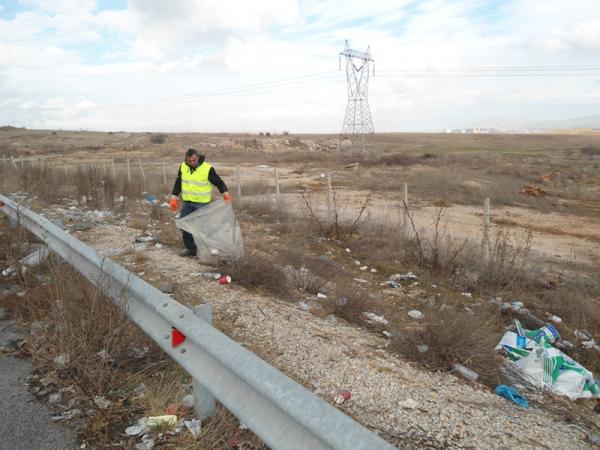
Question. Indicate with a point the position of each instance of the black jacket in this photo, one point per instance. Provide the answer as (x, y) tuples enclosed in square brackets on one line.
[(214, 179)]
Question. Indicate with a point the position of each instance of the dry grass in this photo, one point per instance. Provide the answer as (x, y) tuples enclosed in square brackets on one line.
[(110, 359), (455, 336), (257, 272)]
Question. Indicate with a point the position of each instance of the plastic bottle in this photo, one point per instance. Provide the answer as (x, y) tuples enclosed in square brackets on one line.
[(467, 373)]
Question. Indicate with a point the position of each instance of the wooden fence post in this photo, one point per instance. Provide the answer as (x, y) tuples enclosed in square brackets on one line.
[(485, 242)]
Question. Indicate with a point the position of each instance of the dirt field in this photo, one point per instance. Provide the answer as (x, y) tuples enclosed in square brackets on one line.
[(544, 250)]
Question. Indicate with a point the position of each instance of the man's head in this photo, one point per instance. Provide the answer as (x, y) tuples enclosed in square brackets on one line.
[(192, 157)]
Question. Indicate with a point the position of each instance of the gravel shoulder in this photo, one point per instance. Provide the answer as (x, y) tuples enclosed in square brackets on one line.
[(325, 355)]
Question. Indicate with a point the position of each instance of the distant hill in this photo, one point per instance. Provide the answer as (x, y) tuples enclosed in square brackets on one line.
[(578, 122), (514, 124)]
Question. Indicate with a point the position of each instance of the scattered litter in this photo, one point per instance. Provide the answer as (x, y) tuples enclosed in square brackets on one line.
[(516, 306), (188, 401), (409, 276), (55, 398), (321, 295), (415, 314), (583, 335), (533, 191), (158, 245), (347, 250), (101, 402), (140, 428), (331, 319), (262, 166), (213, 275), (357, 262), (62, 360), (392, 284), (467, 373), (194, 426), (364, 267), (343, 396), (8, 272), (512, 394), (225, 279), (342, 301), (373, 270), (557, 320), (360, 280), (147, 444), (374, 318), (304, 306), (387, 334), (144, 238), (593, 438), (546, 366), (409, 403), (168, 420), (589, 344), (422, 348), (150, 199), (467, 294)]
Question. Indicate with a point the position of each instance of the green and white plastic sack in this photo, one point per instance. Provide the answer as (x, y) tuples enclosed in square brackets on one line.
[(216, 232), (545, 366)]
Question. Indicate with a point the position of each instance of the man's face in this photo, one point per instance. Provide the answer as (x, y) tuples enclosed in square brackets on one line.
[(192, 161)]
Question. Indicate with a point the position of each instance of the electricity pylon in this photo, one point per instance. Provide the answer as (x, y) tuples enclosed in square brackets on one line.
[(358, 119)]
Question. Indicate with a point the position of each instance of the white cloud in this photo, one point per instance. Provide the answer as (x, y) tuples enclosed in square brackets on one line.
[(158, 50)]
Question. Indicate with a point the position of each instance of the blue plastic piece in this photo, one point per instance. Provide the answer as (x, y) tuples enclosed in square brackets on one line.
[(512, 394)]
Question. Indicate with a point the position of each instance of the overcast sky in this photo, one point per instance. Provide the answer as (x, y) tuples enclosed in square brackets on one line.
[(272, 65)]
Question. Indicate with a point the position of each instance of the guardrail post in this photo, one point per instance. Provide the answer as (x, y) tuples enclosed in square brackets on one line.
[(204, 402)]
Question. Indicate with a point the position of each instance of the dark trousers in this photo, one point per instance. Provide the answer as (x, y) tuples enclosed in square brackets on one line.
[(188, 208)]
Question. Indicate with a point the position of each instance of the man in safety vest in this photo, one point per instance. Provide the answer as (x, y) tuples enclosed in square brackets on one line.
[(195, 181)]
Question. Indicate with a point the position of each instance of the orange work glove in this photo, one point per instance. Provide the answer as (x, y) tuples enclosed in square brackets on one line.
[(173, 204), (227, 197)]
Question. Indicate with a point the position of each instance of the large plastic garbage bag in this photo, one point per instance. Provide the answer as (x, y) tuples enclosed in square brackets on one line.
[(546, 366), (216, 232)]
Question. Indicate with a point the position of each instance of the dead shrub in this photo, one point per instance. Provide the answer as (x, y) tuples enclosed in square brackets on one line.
[(510, 262), (438, 251), (257, 272), (336, 225), (348, 302), (306, 281), (256, 207), (453, 336), (158, 139), (590, 151)]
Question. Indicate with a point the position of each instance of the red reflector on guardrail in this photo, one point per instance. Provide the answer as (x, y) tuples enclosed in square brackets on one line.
[(2, 204), (177, 337)]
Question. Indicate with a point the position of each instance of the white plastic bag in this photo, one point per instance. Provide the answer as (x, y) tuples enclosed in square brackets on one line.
[(216, 232)]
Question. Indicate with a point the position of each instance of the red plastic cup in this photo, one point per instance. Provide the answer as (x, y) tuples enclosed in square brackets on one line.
[(225, 279)]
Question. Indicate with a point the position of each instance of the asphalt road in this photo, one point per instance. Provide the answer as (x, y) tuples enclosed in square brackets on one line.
[(24, 421)]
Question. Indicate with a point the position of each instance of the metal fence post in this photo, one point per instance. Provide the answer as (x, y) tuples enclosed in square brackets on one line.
[(114, 170), (164, 171), (128, 171), (204, 401)]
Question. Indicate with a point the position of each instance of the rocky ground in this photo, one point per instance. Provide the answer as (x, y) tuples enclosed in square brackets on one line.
[(405, 404)]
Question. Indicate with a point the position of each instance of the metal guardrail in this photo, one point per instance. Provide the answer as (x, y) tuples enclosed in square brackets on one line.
[(278, 410)]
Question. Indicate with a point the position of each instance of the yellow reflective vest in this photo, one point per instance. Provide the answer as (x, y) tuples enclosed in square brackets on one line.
[(195, 186)]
